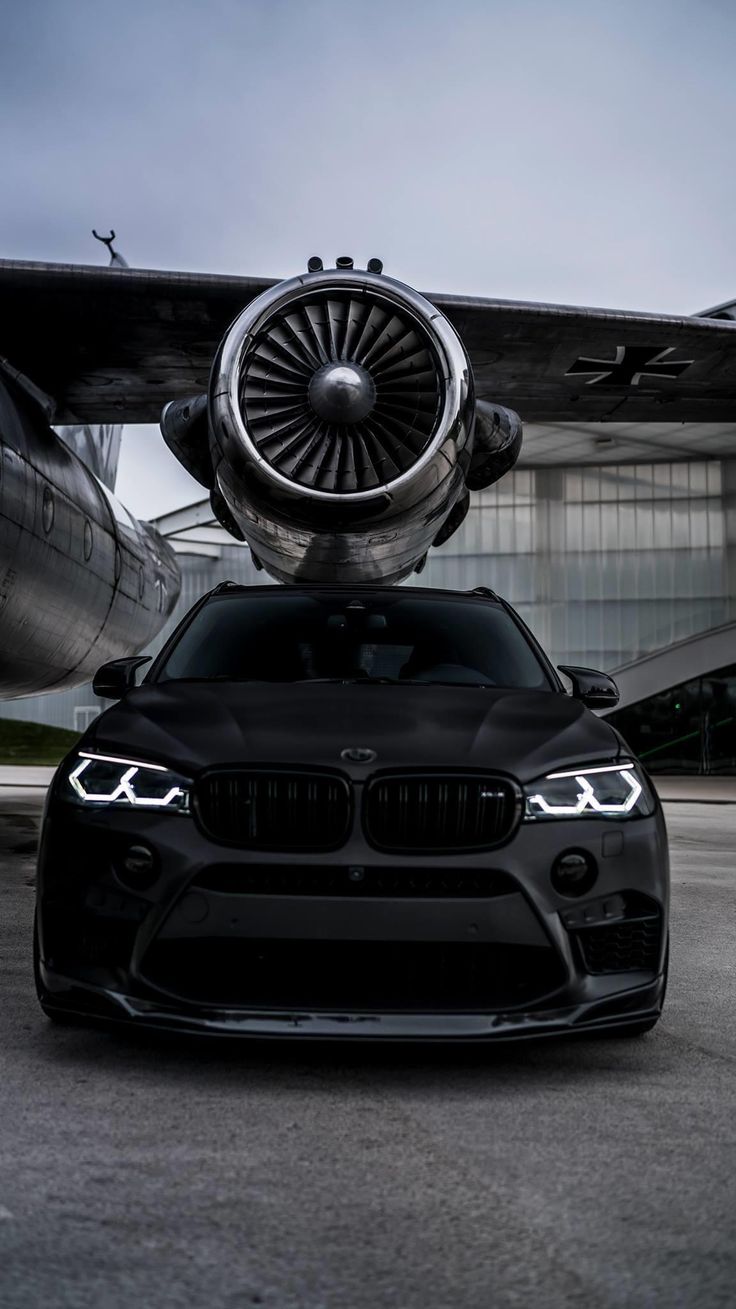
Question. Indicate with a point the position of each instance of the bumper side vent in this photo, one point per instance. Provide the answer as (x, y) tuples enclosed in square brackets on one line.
[(629, 945)]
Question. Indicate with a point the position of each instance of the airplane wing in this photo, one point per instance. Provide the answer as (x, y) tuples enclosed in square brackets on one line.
[(116, 348)]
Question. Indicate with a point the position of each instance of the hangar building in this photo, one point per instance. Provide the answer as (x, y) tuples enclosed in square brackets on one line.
[(616, 544)]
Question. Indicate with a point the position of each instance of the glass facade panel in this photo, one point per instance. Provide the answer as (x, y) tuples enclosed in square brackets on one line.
[(609, 563), (605, 564), (664, 731), (714, 479), (691, 728), (718, 698)]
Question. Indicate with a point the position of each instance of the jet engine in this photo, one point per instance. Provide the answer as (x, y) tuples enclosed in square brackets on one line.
[(340, 433)]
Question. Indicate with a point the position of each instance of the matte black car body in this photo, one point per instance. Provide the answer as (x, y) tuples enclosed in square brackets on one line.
[(370, 935)]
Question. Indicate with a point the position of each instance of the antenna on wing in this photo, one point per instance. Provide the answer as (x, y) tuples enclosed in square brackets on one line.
[(116, 260)]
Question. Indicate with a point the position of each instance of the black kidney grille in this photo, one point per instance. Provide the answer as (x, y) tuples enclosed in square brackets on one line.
[(621, 947), (434, 814), (274, 811), (341, 457)]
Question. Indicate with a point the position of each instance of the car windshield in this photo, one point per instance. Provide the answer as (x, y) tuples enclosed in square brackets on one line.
[(291, 636)]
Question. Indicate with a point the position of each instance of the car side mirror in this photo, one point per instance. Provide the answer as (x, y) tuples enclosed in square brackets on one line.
[(115, 679), (596, 690)]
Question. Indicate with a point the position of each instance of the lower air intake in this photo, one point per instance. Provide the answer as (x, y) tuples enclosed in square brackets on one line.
[(349, 881), (353, 975)]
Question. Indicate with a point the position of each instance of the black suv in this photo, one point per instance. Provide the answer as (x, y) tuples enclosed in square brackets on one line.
[(353, 811)]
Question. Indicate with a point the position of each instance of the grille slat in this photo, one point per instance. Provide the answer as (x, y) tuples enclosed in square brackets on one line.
[(274, 811), (435, 814)]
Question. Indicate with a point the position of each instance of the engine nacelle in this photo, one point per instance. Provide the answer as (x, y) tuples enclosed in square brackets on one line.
[(341, 428)]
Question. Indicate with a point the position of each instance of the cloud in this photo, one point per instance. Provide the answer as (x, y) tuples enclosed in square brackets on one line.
[(569, 152)]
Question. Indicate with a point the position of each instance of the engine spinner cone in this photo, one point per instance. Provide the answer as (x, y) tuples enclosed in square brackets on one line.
[(342, 392)]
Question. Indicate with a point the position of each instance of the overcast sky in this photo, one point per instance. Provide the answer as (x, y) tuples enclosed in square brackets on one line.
[(565, 150)]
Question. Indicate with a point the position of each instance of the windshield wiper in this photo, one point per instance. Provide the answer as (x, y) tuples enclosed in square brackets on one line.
[(323, 681), (421, 681), (395, 681)]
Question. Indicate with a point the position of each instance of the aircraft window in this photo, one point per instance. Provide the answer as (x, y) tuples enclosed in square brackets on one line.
[(48, 509), (301, 637), (88, 541)]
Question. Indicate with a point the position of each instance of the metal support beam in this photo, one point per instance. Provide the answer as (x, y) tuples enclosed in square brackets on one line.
[(198, 514)]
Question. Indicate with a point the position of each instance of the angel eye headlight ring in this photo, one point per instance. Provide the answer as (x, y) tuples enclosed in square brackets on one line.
[(605, 791), (96, 779)]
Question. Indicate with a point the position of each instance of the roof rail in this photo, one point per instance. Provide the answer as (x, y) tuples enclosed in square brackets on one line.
[(484, 591), (224, 586)]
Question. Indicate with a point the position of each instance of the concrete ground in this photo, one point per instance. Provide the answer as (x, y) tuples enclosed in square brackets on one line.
[(703, 790), (599, 1173)]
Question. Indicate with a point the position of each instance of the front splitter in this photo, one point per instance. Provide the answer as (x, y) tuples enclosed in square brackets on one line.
[(71, 997)]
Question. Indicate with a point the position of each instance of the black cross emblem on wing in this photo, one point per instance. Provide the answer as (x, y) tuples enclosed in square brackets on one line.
[(630, 364)]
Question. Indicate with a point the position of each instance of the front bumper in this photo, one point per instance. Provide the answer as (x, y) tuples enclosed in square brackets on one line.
[(156, 956), (69, 996)]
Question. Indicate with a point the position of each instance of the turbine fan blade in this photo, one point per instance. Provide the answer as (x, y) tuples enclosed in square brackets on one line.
[(341, 327)]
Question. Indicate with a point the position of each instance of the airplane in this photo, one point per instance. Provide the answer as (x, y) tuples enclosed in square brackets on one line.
[(338, 420), (81, 579)]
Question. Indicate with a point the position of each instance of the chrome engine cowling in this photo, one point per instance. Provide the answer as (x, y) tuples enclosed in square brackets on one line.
[(341, 423), (340, 437)]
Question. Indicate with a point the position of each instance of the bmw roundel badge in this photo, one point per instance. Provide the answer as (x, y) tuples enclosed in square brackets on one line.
[(358, 754)]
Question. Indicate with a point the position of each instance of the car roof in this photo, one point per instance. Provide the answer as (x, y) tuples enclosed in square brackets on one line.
[(339, 588)]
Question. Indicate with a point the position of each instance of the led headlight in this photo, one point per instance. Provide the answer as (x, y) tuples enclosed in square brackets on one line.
[(97, 779), (608, 791)]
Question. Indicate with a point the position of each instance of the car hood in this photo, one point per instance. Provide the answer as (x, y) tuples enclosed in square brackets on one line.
[(194, 725)]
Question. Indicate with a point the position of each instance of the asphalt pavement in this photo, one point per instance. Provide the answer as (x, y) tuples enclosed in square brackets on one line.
[(150, 1173)]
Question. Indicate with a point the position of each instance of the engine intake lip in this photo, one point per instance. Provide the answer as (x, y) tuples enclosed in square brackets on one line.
[(444, 422)]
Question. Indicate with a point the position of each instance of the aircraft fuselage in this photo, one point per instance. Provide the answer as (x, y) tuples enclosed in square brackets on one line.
[(81, 580)]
